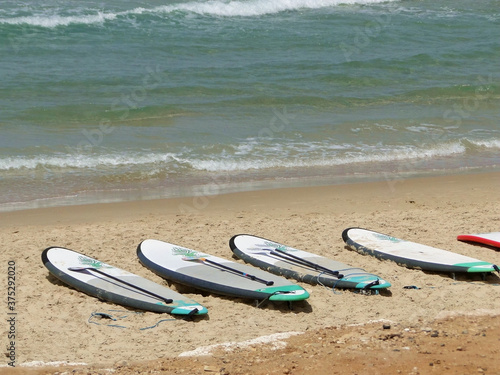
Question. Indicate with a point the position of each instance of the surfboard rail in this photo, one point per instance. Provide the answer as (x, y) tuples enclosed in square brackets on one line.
[(218, 276), (301, 265), (489, 239), (115, 285), (412, 254)]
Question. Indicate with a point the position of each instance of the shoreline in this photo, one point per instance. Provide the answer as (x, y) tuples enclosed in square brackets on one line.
[(431, 210), (389, 189), (222, 184)]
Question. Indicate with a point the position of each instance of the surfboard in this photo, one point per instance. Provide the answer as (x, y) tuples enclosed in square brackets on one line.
[(411, 254), (214, 274), (301, 265), (490, 239), (115, 285)]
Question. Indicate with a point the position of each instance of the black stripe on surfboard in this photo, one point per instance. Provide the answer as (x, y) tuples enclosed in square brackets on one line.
[(97, 292), (198, 283)]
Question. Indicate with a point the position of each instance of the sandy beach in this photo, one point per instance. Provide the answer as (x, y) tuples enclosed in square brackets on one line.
[(55, 331)]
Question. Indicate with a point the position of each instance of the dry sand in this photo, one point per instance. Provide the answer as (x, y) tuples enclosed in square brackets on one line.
[(54, 324)]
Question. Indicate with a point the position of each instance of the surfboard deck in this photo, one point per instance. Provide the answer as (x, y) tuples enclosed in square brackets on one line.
[(412, 254), (265, 254), (490, 239), (115, 285), (196, 269)]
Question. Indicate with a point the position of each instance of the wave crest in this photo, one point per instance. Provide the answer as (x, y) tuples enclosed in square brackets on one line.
[(52, 21), (215, 8), (248, 156)]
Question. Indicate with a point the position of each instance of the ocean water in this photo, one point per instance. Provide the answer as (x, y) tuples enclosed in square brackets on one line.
[(116, 100)]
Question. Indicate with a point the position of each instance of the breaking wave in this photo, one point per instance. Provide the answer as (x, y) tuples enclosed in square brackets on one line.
[(249, 156), (252, 8)]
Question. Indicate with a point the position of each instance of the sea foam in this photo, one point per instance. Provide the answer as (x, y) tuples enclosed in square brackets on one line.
[(211, 8), (251, 156)]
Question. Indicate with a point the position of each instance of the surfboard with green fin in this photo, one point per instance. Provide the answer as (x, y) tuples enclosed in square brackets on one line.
[(302, 265), (412, 254), (116, 285), (214, 274)]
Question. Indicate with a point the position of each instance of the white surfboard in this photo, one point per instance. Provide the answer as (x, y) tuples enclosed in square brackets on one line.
[(115, 285), (490, 239), (301, 265), (411, 254), (216, 275)]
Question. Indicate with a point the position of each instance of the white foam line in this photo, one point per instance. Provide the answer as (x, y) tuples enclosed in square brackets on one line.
[(216, 8), (370, 322), (48, 364), (478, 312), (257, 7), (274, 339)]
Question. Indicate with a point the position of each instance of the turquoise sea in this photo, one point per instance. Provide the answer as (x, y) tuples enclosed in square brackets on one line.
[(119, 100)]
